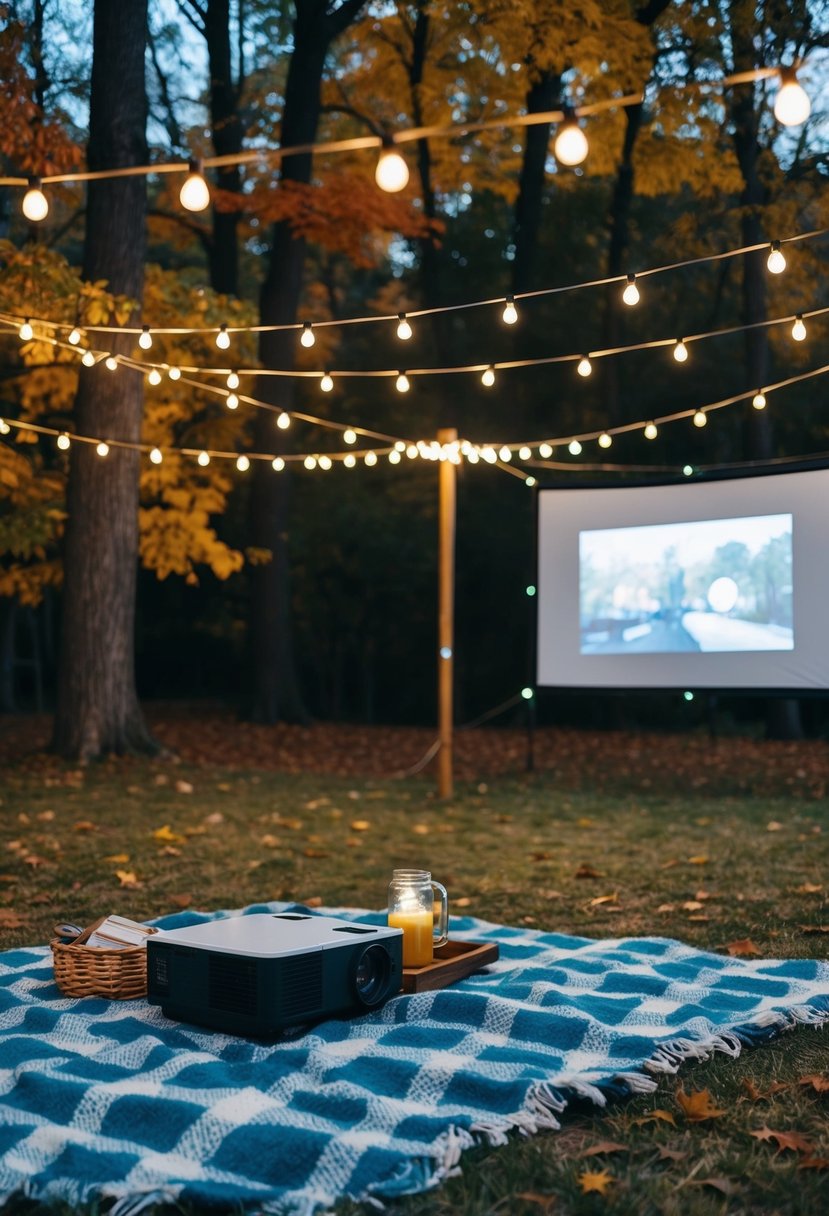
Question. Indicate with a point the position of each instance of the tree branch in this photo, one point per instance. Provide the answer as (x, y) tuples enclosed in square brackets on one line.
[(198, 21), (341, 18), (192, 226)]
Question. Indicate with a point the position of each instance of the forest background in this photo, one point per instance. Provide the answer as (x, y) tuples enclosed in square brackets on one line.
[(307, 593)]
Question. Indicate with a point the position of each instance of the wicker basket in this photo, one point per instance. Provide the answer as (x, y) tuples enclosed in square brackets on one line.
[(81, 970)]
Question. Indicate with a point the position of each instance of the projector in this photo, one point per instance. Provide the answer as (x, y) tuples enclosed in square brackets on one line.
[(258, 974)]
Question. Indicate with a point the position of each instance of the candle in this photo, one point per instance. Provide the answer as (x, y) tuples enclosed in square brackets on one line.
[(418, 930)]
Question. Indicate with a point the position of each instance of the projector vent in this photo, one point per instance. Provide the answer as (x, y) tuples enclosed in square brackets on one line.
[(302, 984), (232, 984)]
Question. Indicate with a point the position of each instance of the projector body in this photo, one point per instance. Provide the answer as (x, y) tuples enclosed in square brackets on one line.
[(258, 974)]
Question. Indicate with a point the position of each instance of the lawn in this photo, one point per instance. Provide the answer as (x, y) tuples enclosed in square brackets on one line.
[(723, 844)]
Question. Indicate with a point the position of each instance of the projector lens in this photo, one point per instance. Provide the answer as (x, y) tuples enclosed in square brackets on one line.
[(372, 975)]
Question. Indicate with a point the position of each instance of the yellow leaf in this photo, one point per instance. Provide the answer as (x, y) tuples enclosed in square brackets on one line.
[(127, 878), (698, 1105), (119, 859), (360, 825), (598, 1182), (166, 835), (700, 860)]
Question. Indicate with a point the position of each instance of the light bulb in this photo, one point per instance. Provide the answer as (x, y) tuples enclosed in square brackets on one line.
[(525, 453), (310, 462), (371, 458), (412, 452), (283, 421), (505, 454), (145, 341), (488, 378), (156, 456), (399, 445), (798, 329), (204, 459), (392, 172), (88, 359), (394, 456), (404, 329), (327, 383), (570, 147), (194, 194), (651, 431), (631, 293), (63, 441), (242, 463), (325, 463), (233, 380), (232, 401), (74, 337), (26, 333), (680, 351), (307, 337), (700, 419), (472, 456), (791, 105), (574, 447), (510, 314), (35, 202), (759, 400), (223, 338), (687, 469), (585, 367), (349, 436), (102, 449), (605, 440), (111, 363), (529, 481), (350, 460), (4, 427), (402, 383), (489, 454), (174, 373), (776, 262), (154, 376), (277, 464), (545, 451)]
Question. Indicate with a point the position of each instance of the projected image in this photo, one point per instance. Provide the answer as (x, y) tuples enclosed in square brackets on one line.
[(703, 585)]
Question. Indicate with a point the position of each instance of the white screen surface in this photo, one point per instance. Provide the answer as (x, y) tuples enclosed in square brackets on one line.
[(716, 584)]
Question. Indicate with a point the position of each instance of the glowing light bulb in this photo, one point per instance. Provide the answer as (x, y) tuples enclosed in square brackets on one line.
[(327, 383), (574, 447), (233, 380), (472, 456), (63, 441), (194, 194), (283, 421), (232, 401), (400, 445), (688, 469), (26, 333), (174, 373), (154, 376), (203, 459), (488, 377), (88, 359), (605, 440), (525, 453), (700, 419), (776, 262), (412, 452), (510, 314), (307, 337), (74, 337), (349, 436), (4, 427), (350, 460), (145, 340), (310, 462), (680, 351), (102, 449), (394, 456), (570, 147), (545, 451), (156, 456), (404, 329), (651, 431), (371, 458), (402, 383), (529, 481), (277, 464), (798, 329), (490, 455), (505, 454), (585, 367), (223, 338), (35, 203), (759, 400), (392, 172), (791, 105), (111, 363), (242, 463), (325, 462), (631, 293)]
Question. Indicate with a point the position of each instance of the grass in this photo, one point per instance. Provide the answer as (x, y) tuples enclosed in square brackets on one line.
[(587, 856)]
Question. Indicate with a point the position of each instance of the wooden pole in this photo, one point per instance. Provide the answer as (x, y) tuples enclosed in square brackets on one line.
[(446, 612)]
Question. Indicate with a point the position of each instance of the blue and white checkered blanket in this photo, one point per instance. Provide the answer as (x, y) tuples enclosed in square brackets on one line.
[(112, 1099)]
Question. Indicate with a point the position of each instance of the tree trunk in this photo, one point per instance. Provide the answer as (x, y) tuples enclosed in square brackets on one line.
[(619, 224), (542, 95), (97, 706), (227, 134)]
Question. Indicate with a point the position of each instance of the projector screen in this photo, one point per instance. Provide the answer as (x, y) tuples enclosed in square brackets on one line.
[(716, 584)]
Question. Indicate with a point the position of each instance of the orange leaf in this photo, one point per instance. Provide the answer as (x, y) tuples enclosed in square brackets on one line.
[(813, 1163), (744, 947), (165, 835), (604, 1146), (809, 888), (421, 829), (119, 859), (698, 1105), (759, 1095), (585, 871), (360, 825), (785, 1140), (463, 902), (181, 901), (820, 1084), (604, 899), (598, 1182), (85, 825), (699, 860), (655, 1116), (127, 878)]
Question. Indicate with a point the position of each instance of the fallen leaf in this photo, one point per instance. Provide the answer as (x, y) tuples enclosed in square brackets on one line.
[(702, 895), (166, 835), (9, 919), (161, 779), (183, 787), (360, 825), (813, 928), (85, 825), (698, 1105), (598, 1182), (604, 899), (669, 864), (699, 860), (314, 902), (421, 829), (692, 905), (118, 859), (540, 856), (655, 1116), (774, 826), (700, 916), (785, 1140), (809, 888), (666, 908), (315, 853), (813, 1163), (180, 901), (269, 841), (127, 878), (585, 871), (604, 1146), (744, 947), (584, 822), (463, 902), (170, 850), (671, 1154), (215, 817), (760, 1095), (46, 816), (819, 1083)]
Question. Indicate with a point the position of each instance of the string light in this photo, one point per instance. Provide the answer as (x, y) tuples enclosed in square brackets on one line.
[(326, 383), (472, 456), (174, 373), (370, 458), (489, 455), (798, 329), (700, 418), (277, 464), (605, 440), (232, 401), (307, 337), (404, 329), (242, 463), (651, 431), (145, 341), (325, 462), (488, 377), (283, 421), (35, 204), (680, 351), (585, 367), (4, 427), (525, 453), (154, 376), (111, 363), (63, 441), (74, 337), (203, 459), (156, 456), (310, 462), (394, 456), (26, 333), (399, 445), (759, 400), (529, 481), (223, 338), (574, 447), (791, 105), (88, 359), (392, 172), (545, 451), (630, 295), (233, 380), (349, 436), (688, 469), (349, 460), (194, 194), (570, 147), (505, 454), (402, 383), (412, 452), (776, 261), (510, 314), (102, 449)]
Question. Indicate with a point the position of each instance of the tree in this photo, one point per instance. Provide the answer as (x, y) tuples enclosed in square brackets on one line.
[(97, 706)]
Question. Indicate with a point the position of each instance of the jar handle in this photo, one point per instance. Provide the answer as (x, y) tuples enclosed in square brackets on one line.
[(443, 919)]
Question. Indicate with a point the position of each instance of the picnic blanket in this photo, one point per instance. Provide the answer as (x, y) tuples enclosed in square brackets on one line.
[(113, 1100)]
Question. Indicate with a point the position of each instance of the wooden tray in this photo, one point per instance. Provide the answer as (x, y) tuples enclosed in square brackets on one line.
[(452, 962)]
